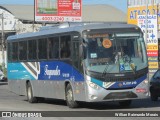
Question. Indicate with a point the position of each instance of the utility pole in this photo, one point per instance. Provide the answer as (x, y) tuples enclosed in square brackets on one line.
[(2, 45)]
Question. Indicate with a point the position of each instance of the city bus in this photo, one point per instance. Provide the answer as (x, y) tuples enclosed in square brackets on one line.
[(89, 62)]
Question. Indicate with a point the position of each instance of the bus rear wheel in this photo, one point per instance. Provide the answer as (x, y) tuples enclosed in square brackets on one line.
[(30, 97), (70, 98), (125, 103)]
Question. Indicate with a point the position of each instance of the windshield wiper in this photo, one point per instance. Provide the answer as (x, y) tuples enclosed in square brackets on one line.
[(105, 70)]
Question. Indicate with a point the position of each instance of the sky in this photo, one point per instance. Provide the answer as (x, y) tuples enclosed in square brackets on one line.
[(120, 4)]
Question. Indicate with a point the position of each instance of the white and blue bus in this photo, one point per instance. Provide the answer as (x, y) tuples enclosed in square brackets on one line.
[(89, 62)]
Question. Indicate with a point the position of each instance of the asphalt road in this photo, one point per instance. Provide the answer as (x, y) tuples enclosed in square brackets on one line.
[(12, 102)]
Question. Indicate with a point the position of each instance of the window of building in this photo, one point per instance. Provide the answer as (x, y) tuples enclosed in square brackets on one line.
[(42, 49), (23, 50), (53, 47), (132, 2), (65, 46), (149, 2), (143, 2), (129, 2), (32, 49), (5, 23)]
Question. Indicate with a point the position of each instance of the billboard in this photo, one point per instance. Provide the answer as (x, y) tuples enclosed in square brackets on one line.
[(58, 10), (133, 13)]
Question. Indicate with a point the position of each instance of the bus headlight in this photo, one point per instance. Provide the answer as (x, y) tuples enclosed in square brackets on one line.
[(146, 81), (93, 85), (88, 78)]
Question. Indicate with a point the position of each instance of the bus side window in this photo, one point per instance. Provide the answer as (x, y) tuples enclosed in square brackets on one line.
[(32, 45), (15, 51), (42, 49), (65, 51), (23, 50), (53, 48)]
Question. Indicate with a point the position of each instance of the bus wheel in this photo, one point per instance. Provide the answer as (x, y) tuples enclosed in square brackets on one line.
[(30, 97), (125, 103), (69, 97), (40, 99)]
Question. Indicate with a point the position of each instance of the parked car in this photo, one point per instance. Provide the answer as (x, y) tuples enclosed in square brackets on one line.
[(2, 77), (155, 86)]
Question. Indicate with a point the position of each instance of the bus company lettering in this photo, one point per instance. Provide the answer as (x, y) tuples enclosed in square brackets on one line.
[(130, 83), (50, 73)]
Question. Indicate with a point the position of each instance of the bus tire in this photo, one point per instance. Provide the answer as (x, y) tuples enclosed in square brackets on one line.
[(70, 98), (125, 103), (40, 99), (30, 97)]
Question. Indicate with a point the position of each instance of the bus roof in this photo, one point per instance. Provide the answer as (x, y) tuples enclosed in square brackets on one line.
[(69, 27)]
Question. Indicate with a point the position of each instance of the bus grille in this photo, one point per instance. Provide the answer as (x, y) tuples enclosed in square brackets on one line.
[(120, 95), (120, 88), (115, 79)]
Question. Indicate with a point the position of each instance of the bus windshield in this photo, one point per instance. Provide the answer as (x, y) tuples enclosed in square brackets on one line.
[(115, 52)]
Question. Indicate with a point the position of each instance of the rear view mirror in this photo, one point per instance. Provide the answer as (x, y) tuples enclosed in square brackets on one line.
[(158, 78)]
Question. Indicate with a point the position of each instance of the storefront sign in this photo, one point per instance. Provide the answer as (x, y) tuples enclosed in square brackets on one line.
[(153, 65), (152, 47), (133, 13), (152, 53)]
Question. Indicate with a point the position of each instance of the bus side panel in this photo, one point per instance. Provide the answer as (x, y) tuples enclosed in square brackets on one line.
[(47, 79), (48, 89), (79, 91), (17, 86), (17, 76), (55, 74)]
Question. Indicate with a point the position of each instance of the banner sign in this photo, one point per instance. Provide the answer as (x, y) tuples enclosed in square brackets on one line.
[(152, 47), (133, 13), (152, 53), (58, 10), (151, 39), (153, 65), (151, 28), (154, 59)]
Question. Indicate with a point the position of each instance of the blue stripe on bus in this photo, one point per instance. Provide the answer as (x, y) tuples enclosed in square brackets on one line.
[(120, 84), (16, 71), (53, 70), (58, 70)]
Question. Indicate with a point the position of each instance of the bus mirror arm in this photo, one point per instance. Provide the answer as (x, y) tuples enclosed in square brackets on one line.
[(81, 51)]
